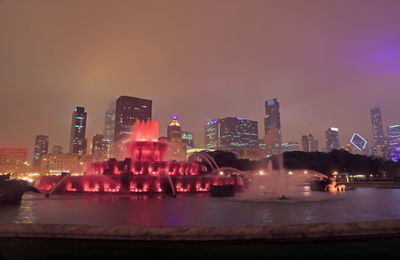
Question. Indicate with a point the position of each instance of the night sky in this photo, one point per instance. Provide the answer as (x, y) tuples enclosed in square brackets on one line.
[(327, 62)]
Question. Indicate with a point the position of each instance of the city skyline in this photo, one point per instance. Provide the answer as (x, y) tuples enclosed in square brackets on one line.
[(342, 142), (356, 72)]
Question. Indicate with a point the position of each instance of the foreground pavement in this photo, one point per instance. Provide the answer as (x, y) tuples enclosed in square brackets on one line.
[(386, 248)]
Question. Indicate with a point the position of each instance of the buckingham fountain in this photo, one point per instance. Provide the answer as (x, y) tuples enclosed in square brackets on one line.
[(144, 170)]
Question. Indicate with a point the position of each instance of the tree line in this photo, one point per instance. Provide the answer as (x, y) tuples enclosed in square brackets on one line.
[(335, 161)]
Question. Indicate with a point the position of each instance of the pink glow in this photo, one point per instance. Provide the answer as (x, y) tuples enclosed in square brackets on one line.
[(143, 170)]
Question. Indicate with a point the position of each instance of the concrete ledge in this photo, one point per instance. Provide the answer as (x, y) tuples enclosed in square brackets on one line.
[(376, 229)]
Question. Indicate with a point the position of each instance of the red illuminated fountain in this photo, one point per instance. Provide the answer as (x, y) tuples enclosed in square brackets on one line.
[(143, 171)]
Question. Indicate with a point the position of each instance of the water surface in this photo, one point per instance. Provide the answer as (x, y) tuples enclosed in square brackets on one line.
[(363, 204)]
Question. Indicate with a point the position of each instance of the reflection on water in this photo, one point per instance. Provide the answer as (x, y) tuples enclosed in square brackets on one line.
[(363, 204), (27, 212)]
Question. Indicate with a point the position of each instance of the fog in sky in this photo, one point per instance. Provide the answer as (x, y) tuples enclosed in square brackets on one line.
[(327, 62)]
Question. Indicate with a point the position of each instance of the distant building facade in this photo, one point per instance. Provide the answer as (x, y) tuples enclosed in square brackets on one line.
[(380, 146), (187, 137), (272, 126), (13, 160), (234, 134), (41, 147), (109, 129), (211, 137), (57, 149), (231, 132), (58, 163), (332, 139), (291, 147), (394, 142), (309, 143), (176, 145), (78, 142), (99, 146), (377, 126), (128, 110)]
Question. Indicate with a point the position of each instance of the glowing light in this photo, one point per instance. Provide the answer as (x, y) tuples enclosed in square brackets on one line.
[(261, 173), (290, 173), (221, 173)]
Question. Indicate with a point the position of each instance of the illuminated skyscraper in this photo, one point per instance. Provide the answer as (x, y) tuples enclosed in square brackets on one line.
[(78, 141), (41, 147), (128, 110), (377, 126), (109, 129), (272, 125), (231, 132), (332, 139), (176, 146), (394, 142), (109, 125), (381, 146)]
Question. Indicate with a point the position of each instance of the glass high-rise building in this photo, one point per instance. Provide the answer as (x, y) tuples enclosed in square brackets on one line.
[(377, 126), (41, 147), (272, 126), (109, 129), (381, 146), (394, 142), (231, 132), (109, 125), (332, 139), (78, 142), (128, 111)]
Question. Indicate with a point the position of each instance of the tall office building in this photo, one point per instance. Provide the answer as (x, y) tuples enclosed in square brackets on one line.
[(231, 132), (78, 140), (309, 143), (377, 126), (109, 125), (332, 139), (381, 146), (99, 146), (394, 142), (272, 125), (176, 147), (41, 147), (109, 129), (128, 111)]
